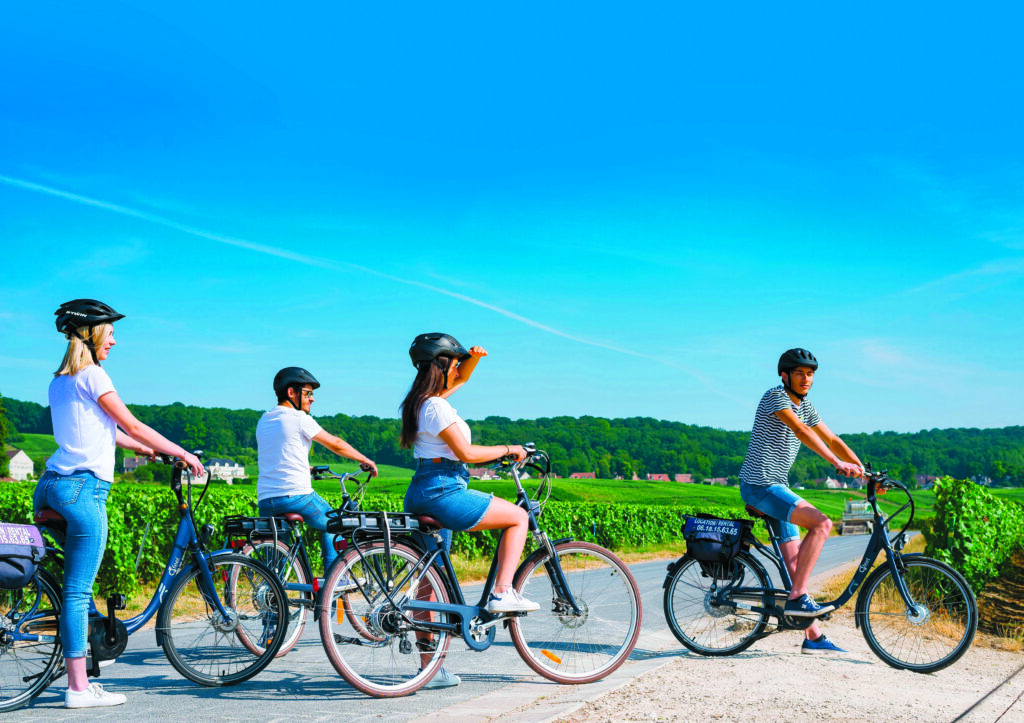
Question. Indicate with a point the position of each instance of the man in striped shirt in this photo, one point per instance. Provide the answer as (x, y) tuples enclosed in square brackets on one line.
[(785, 419)]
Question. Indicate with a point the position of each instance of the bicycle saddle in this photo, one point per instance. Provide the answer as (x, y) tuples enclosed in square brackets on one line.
[(428, 523), (755, 512), (48, 517), (293, 517)]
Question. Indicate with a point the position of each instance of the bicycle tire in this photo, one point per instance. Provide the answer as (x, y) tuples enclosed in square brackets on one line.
[(385, 657), (569, 647), (709, 629), (205, 648), (299, 603), (934, 635), (28, 667)]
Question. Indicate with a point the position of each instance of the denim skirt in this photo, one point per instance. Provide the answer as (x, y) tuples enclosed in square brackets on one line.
[(439, 489)]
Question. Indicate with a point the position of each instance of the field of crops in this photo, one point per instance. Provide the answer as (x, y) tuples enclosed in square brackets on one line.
[(395, 480), (831, 502), (36, 446)]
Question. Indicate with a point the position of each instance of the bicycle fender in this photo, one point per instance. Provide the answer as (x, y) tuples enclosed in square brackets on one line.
[(672, 567), (539, 552)]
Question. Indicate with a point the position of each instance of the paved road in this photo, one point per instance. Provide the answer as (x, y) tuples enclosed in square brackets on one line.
[(304, 685)]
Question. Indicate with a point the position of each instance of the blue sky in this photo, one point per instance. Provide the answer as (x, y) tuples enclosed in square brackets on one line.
[(635, 211)]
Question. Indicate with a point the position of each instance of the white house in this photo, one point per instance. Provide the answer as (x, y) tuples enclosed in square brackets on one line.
[(225, 469), (20, 464), (482, 473), (130, 464)]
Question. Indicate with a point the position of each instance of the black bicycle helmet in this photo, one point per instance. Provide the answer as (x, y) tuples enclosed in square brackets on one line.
[(427, 347), (293, 377), (83, 313), (794, 358)]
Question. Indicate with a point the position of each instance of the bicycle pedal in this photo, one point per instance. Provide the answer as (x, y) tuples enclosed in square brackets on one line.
[(117, 601)]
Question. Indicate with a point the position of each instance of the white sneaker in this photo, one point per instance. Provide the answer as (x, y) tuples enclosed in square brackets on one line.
[(92, 697), (443, 679), (510, 601)]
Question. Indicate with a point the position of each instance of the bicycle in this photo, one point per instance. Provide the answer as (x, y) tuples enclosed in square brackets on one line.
[(210, 608), (407, 605), (916, 613), (278, 543)]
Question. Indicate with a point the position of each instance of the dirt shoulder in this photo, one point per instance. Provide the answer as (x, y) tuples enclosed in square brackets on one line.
[(773, 681)]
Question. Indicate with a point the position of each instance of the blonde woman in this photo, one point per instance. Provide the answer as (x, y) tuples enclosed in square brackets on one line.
[(89, 420)]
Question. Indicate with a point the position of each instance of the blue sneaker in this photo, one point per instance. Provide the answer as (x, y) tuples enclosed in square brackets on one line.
[(805, 607), (819, 646)]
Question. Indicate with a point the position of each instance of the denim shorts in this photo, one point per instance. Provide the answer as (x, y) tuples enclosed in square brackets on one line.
[(776, 501), (439, 489)]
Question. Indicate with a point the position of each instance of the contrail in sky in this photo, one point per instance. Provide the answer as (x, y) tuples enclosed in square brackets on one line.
[(334, 265)]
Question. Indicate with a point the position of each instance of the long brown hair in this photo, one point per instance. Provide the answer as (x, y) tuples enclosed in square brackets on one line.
[(429, 382)]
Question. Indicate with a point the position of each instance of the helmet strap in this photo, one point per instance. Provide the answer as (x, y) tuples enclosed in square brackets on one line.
[(298, 393), (88, 345), (789, 389)]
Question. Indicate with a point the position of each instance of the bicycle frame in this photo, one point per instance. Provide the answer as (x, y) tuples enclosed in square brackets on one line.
[(186, 541), (878, 542), (297, 550), (428, 545)]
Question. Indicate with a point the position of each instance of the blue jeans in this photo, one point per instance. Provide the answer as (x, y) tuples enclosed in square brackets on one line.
[(81, 498), (313, 509), (776, 501)]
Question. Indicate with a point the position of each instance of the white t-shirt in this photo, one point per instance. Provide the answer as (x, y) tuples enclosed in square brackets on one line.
[(84, 433), (283, 438), (435, 416)]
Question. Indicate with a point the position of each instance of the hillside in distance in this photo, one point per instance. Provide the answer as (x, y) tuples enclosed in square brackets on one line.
[(607, 447)]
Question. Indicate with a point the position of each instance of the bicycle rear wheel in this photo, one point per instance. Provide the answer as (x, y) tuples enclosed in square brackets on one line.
[(577, 647), (28, 665), (210, 649), (710, 629), (299, 602), (932, 635), (375, 645)]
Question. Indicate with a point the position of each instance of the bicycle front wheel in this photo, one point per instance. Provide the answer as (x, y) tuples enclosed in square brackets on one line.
[(708, 628), (299, 602), (933, 634), (562, 644), (30, 649), (214, 648), (377, 645)]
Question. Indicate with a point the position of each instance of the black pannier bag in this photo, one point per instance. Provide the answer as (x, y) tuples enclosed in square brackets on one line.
[(21, 551), (711, 540)]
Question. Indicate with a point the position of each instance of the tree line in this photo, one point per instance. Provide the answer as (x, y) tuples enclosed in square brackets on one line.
[(607, 447)]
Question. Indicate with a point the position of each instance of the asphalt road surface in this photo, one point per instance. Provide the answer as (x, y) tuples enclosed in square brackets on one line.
[(303, 685)]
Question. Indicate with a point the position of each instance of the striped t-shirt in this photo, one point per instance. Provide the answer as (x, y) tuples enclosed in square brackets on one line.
[(773, 445)]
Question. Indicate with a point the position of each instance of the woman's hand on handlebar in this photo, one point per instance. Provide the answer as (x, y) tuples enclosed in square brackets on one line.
[(517, 453), (369, 466), (194, 465)]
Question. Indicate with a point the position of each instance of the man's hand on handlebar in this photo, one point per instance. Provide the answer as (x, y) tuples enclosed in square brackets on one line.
[(848, 469), (369, 466)]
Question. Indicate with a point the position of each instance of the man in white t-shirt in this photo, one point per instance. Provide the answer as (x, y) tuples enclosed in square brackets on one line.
[(284, 436)]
